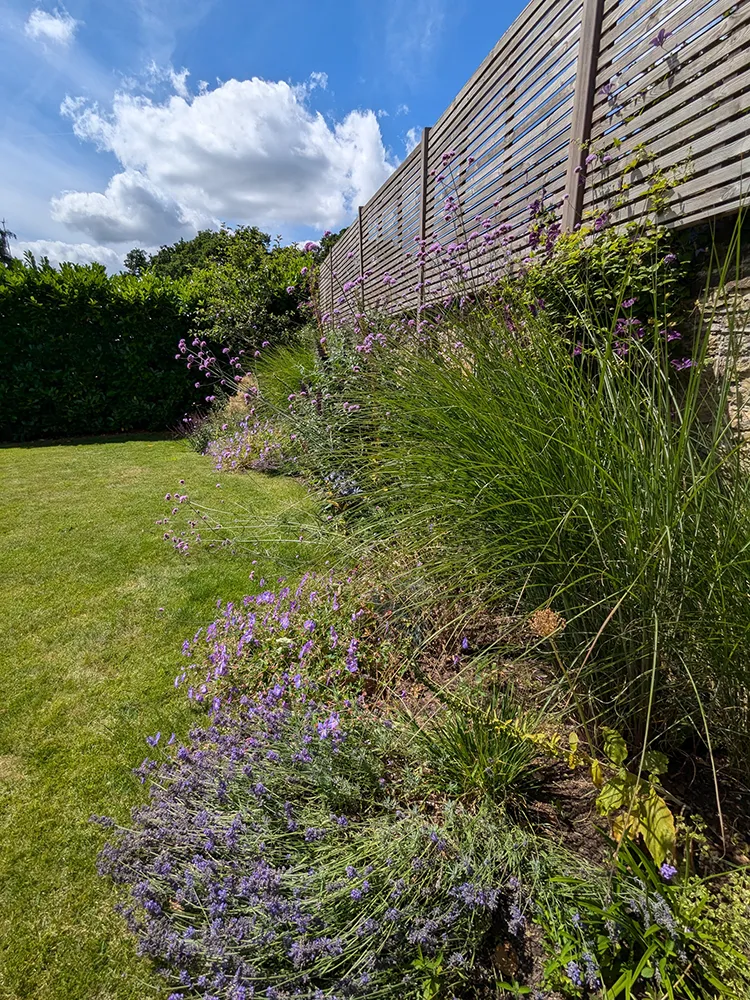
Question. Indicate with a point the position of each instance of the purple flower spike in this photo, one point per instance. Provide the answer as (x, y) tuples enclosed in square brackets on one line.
[(660, 38), (153, 740), (680, 364), (667, 872)]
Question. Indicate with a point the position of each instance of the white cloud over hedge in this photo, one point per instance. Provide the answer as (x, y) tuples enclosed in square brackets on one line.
[(250, 151), (58, 252)]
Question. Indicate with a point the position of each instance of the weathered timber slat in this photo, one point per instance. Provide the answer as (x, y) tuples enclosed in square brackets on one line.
[(680, 88)]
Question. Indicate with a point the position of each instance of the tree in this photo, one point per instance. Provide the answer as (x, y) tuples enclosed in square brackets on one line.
[(6, 236), (137, 261), (252, 290), (207, 248)]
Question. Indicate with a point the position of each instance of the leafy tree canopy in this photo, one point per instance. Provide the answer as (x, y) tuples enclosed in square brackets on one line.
[(6, 257)]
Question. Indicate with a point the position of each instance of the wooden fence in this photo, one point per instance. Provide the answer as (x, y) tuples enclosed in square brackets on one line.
[(603, 108)]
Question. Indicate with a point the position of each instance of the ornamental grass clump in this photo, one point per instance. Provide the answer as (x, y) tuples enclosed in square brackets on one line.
[(589, 476)]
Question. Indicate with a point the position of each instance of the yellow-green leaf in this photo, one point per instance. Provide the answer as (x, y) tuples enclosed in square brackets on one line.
[(657, 826), (655, 762), (625, 823), (615, 746), (597, 773), (615, 794)]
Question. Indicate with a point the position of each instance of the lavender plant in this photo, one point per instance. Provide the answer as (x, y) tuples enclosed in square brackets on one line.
[(288, 850), (322, 628), (273, 860)]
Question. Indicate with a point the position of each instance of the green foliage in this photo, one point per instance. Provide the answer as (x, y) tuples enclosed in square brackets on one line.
[(632, 804), (136, 262), (642, 936), (284, 372), (241, 287), (245, 289), (465, 758), (88, 353), (581, 284), (208, 247)]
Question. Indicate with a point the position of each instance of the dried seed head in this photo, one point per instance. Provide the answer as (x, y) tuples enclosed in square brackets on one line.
[(546, 622)]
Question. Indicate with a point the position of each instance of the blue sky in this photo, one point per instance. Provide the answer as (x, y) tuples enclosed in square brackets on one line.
[(136, 122)]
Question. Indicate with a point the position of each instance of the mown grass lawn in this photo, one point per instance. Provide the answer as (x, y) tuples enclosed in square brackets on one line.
[(94, 609)]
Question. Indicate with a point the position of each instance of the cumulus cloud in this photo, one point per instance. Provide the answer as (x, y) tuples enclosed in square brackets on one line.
[(76, 253), (57, 28), (130, 209), (250, 151), (412, 139)]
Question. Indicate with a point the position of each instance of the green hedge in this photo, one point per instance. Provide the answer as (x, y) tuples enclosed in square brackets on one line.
[(88, 353)]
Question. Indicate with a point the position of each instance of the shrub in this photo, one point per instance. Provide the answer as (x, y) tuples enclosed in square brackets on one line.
[(270, 861), (86, 353)]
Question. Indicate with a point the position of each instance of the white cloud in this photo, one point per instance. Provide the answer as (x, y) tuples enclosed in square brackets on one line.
[(57, 27), (412, 139), (248, 151), (77, 253), (319, 80), (130, 209), (411, 52)]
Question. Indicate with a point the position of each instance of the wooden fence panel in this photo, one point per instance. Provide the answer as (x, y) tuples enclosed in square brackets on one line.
[(603, 107), (502, 144), (672, 120)]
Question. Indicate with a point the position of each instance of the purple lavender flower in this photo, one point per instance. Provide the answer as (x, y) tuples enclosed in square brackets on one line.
[(351, 662), (573, 972), (667, 872)]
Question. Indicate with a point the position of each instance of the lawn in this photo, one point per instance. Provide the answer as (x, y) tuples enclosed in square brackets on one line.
[(95, 605)]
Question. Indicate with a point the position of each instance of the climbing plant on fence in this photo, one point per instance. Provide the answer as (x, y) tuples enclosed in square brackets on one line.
[(85, 352)]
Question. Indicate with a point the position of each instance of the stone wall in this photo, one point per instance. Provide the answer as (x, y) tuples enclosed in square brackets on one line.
[(726, 312)]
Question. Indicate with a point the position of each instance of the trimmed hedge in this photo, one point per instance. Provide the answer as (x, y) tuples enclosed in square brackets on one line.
[(86, 353)]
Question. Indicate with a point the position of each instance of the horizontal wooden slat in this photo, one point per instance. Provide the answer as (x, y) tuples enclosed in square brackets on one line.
[(644, 51), (690, 96), (703, 59), (708, 131), (673, 94), (620, 18)]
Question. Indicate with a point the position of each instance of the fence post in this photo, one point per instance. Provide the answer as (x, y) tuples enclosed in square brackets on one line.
[(425, 166), (333, 292), (583, 107), (360, 213)]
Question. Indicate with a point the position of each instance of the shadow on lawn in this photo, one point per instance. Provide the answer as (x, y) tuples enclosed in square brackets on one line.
[(97, 439)]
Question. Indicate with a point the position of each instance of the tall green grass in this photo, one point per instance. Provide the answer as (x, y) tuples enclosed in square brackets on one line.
[(603, 486)]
